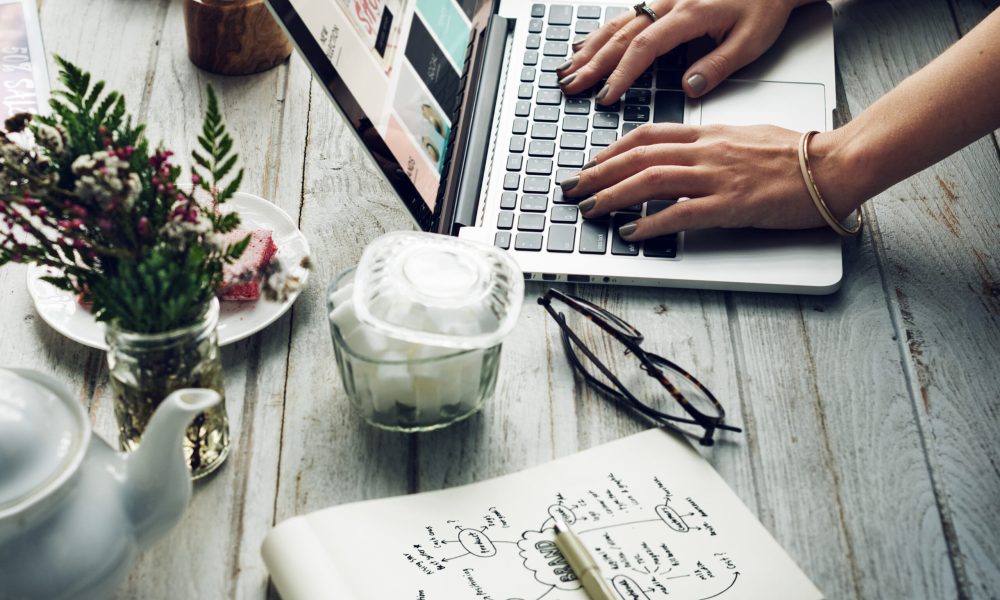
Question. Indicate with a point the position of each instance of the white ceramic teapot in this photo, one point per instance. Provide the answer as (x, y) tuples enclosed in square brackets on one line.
[(73, 512)]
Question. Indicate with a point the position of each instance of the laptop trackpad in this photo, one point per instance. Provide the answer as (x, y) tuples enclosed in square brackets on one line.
[(795, 106)]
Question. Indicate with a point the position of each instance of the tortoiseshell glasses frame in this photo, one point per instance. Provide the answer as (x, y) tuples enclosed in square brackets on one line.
[(631, 338)]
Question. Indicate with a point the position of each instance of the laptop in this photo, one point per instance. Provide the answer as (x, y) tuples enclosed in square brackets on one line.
[(458, 103)]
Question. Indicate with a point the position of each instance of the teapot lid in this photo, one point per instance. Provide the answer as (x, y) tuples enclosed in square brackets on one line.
[(43, 437)]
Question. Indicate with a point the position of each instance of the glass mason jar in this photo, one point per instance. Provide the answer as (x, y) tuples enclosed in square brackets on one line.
[(145, 368)]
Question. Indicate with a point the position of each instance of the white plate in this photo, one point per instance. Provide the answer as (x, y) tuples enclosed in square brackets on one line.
[(237, 320)]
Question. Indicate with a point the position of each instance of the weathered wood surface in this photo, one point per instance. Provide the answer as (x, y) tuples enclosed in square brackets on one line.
[(871, 415)]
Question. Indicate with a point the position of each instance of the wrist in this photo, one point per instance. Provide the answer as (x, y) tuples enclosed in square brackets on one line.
[(840, 170)]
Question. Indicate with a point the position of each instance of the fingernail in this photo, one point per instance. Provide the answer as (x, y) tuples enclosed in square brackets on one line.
[(567, 80), (587, 205), (697, 83), (588, 165), (627, 230), (565, 65), (604, 92), (569, 183)]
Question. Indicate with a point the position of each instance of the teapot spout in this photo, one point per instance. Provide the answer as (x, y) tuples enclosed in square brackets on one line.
[(158, 483)]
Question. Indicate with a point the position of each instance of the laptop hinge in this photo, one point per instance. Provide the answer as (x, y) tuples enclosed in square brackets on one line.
[(473, 161)]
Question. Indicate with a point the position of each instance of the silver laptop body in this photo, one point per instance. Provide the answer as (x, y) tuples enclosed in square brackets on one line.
[(498, 186)]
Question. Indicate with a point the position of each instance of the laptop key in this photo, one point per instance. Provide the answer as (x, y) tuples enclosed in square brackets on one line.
[(535, 26), (628, 128), (548, 114), (635, 208), (560, 49), (549, 97), (603, 137), (655, 206), (534, 41), (594, 236), (562, 238), (538, 166), (511, 181), (520, 126), (531, 58), (557, 34), (564, 214), (530, 242), (530, 222), (541, 148), (548, 80), (502, 240), (534, 203), (528, 74), (605, 120), (536, 185), (594, 152), (577, 106), (560, 14), (564, 174), (514, 162), (517, 143), (643, 97), (661, 247), (588, 12), (644, 81), (505, 220), (576, 123), (608, 108), (573, 141), (525, 91), (569, 158), (543, 131), (557, 196), (508, 200), (668, 107), (551, 63), (537, 11), (619, 245), (669, 79), (585, 27), (636, 113), (614, 11), (522, 108)]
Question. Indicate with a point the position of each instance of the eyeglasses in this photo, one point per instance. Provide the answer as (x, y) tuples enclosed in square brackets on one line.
[(663, 392)]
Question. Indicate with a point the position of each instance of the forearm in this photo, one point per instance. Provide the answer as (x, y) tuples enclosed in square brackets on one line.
[(943, 107)]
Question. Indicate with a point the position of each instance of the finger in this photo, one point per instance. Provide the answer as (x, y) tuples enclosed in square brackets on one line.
[(650, 184), (738, 50), (646, 135), (586, 48), (670, 31), (621, 167), (583, 74), (697, 213)]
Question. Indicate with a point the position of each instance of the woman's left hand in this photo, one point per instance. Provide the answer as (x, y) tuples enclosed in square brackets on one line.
[(733, 177)]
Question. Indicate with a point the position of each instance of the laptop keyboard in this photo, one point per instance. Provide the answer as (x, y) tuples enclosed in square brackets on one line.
[(555, 135)]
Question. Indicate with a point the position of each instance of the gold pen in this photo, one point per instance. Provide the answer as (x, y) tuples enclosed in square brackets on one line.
[(583, 564)]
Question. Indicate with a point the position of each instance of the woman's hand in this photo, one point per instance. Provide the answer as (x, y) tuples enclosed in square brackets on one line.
[(627, 45), (734, 177)]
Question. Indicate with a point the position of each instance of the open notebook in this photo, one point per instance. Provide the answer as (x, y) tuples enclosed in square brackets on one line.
[(659, 520)]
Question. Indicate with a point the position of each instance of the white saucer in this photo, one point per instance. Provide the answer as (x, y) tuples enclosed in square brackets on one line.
[(238, 320)]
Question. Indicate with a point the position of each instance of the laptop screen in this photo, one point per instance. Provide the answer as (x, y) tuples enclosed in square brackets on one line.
[(395, 69)]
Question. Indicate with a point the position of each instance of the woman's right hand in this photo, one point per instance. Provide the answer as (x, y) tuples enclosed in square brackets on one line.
[(628, 44)]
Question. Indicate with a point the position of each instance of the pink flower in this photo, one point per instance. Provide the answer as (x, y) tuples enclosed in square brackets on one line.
[(195, 179), (143, 226)]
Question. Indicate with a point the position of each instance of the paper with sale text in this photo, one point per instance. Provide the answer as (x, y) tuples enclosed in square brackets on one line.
[(660, 522), (23, 80), (402, 61)]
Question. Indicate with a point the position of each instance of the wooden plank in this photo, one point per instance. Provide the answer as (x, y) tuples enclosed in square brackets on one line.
[(936, 245)]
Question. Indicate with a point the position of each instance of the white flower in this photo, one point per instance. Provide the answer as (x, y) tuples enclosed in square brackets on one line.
[(104, 177)]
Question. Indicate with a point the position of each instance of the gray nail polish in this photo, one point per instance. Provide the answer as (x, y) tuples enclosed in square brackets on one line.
[(697, 83), (569, 183), (604, 92), (588, 165), (587, 205), (567, 80), (628, 229), (565, 65)]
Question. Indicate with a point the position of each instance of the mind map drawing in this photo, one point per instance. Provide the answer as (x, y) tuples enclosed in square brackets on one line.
[(651, 544)]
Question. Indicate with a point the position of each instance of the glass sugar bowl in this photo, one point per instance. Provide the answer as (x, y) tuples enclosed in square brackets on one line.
[(418, 325)]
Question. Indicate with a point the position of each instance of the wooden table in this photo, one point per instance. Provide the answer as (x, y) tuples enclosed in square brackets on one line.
[(872, 415)]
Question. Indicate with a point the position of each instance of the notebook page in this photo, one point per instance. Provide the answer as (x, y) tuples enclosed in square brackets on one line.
[(659, 520)]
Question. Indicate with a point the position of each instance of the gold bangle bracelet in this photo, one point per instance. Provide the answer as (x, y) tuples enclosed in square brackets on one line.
[(817, 199)]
